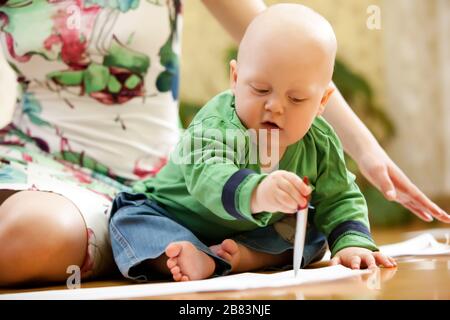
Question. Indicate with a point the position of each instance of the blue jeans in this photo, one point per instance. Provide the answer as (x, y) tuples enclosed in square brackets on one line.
[(141, 230)]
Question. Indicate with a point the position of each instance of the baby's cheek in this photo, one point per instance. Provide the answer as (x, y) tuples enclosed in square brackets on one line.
[(296, 132)]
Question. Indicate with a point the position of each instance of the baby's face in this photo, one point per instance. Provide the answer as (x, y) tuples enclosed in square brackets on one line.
[(278, 91)]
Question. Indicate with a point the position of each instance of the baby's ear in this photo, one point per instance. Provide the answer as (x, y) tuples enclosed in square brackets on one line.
[(326, 96), (233, 75)]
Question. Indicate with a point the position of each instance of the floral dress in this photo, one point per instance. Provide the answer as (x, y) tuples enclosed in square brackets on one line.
[(97, 107)]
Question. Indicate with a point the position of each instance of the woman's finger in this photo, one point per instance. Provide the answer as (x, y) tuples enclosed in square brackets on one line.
[(410, 192), (420, 213), (420, 201), (385, 184)]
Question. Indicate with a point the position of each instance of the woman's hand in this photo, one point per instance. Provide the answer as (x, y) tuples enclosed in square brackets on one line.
[(390, 180)]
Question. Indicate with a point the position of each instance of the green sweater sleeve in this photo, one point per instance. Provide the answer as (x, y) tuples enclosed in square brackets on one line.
[(341, 210), (213, 166)]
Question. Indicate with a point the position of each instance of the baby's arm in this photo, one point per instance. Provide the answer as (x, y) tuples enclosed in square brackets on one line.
[(341, 211), (356, 258), (216, 171)]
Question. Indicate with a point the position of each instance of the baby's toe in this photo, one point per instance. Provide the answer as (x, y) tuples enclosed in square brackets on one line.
[(184, 278), (175, 270), (224, 255), (177, 277), (230, 246), (173, 250), (172, 262)]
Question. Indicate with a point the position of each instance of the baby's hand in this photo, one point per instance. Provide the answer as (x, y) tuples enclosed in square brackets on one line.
[(355, 258), (280, 191)]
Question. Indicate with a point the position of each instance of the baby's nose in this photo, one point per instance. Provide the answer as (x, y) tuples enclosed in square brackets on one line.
[(274, 105)]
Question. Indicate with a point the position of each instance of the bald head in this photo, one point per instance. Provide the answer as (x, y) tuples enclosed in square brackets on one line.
[(283, 74), (290, 31)]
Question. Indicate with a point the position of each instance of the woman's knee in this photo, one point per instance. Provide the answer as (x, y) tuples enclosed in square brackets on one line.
[(41, 234)]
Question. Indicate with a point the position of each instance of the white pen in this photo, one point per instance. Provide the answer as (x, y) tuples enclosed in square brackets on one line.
[(300, 235)]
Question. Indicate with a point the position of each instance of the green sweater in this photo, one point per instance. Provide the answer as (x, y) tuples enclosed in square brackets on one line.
[(208, 182)]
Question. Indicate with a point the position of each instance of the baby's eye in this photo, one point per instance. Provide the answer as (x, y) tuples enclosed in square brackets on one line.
[(296, 100), (260, 90)]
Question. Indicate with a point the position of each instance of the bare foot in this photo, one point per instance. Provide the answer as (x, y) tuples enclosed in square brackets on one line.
[(243, 259), (228, 250), (186, 262)]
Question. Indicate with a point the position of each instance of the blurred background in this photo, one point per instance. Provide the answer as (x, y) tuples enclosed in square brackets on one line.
[(393, 67)]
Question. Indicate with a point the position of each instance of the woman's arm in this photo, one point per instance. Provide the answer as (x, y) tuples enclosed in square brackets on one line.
[(235, 15), (358, 141), (355, 136), (375, 164), (8, 91)]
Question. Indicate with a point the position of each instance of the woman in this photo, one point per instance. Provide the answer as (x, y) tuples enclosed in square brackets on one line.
[(97, 111)]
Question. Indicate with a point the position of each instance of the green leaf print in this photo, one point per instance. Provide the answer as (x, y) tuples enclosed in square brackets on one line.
[(67, 78), (168, 57), (37, 120), (83, 160), (168, 79), (114, 86), (9, 174), (32, 108), (96, 78), (16, 3), (164, 81), (121, 5), (21, 135), (132, 82), (123, 57)]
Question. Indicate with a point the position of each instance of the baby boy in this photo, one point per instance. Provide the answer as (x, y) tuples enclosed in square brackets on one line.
[(237, 174)]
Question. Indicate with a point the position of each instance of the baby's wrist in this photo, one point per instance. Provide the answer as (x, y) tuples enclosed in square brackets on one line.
[(254, 207)]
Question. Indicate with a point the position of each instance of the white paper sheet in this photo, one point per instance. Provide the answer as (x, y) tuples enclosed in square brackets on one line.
[(437, 233), (234, 282), (424, 244)]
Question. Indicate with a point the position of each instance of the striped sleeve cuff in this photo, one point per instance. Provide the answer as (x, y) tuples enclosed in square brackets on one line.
[(237, 194), (350, 234)]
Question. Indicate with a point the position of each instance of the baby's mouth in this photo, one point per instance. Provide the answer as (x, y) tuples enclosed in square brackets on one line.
[(269, 125)]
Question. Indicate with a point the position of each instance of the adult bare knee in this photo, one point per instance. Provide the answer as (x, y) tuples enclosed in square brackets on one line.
[(41, 234)]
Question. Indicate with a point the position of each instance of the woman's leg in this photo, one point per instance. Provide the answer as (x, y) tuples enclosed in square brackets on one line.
[(41, 234)]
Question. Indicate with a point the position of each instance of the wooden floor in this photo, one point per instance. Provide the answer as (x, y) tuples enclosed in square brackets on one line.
[(414, 278)]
